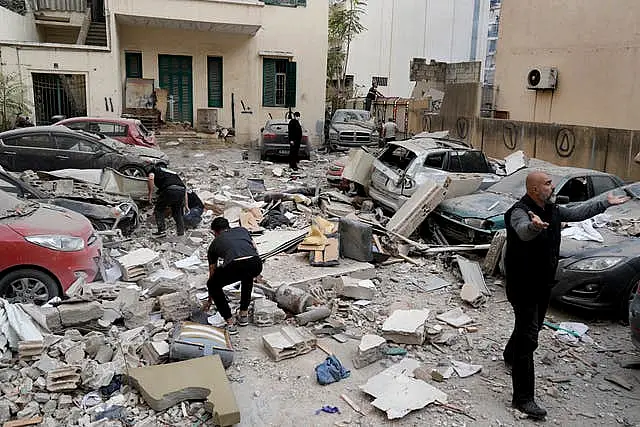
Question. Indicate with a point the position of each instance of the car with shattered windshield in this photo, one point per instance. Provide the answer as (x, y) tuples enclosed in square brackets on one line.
[(601, 274), (44, 249), (47, 148), (122, 215), (352, 128), (475, 218), (403, 166)]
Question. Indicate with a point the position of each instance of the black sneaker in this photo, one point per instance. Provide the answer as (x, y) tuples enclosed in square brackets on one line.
[(232, 328), (532, 409), (243, 319)]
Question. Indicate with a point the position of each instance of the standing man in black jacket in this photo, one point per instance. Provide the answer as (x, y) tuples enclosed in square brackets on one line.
[(531, 259), (295, 139), (171, 193)]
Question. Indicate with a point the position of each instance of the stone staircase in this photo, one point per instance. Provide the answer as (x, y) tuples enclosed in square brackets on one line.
[(97, 35)]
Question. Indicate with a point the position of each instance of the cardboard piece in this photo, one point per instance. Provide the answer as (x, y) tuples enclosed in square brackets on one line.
[(163, 386), (328, 256), (411, 214)]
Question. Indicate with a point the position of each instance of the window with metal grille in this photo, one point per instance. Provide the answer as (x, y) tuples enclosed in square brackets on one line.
[(214, 71), (133, 65), (380, 81), (59, 94), (278, 83)]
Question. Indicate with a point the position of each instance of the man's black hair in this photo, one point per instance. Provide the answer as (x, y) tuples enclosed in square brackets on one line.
[(296, 114), (219, 224)]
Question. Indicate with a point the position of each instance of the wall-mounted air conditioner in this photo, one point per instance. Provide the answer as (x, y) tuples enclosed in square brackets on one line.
[(542, 78)]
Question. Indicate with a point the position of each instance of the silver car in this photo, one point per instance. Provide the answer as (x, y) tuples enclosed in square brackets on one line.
[(403, 166)]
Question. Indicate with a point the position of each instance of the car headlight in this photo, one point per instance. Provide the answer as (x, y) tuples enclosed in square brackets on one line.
[(478, 223), (595, 263), (57, 242)]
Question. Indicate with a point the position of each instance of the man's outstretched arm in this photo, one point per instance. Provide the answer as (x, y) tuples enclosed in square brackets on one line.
[(587, 210)]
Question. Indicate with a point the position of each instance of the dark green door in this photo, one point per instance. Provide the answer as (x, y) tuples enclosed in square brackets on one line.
[(177, 77)]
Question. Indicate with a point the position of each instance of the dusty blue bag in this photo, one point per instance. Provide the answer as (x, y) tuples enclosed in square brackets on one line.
[(331, 371)]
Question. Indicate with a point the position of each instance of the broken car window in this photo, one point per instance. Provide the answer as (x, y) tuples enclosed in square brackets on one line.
[(397, 157), (351, 116), (575, 189), (434, 160), (471, 161)]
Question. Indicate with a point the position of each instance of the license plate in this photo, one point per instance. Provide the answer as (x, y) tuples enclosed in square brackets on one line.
[(283, 151)]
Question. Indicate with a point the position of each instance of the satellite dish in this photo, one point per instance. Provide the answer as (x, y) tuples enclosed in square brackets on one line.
[(534, 77)]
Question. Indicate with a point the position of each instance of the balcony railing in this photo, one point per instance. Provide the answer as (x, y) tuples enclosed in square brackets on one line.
[(59, 5)]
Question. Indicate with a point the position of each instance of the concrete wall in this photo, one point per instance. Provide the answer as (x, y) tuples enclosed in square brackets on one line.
[(15, 27), (594, 44), (444, 73), (399, 30), (605, 149)]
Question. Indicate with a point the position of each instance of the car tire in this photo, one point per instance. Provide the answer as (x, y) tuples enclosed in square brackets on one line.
[(133, 171), (627, 296), (42, 287)]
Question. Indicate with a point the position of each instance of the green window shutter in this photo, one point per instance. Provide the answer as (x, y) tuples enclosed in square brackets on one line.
[(302, 3), (133, 64), (271, 1), (291, 84), (214, 71), (268, 82)]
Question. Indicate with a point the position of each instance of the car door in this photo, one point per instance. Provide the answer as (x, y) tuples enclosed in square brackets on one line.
[(32, 150), (576, 189), (602, 184), (77, 152)]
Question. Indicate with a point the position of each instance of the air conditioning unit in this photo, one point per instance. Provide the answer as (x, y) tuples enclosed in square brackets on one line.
[(542, 78)]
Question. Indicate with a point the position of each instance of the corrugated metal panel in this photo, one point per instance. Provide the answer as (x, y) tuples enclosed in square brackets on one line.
[(61, 5)]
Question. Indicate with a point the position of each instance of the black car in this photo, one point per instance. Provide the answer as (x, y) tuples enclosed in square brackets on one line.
[(46, 148), (123, 216), (274, 140), (603, 277), (634, 318)]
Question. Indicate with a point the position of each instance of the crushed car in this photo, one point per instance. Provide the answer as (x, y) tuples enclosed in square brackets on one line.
[(602, 276), (44, 249), (121, 215), (352, 128), (127, 131), (274, 140), (403, 166), (475, 218), (47, 148)]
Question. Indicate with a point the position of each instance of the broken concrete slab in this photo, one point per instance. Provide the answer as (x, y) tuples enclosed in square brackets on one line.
[(397, 393), (266, 313), (492, 259), (313, 315), (456, 318), (475, 290), (137, 264), (413, 212), (515, 161), (271, 243), (288, 342), (370, 350), (79, 313), (406, 326), (463, 184), (163, 281), (28, 350), (155, 352), (465, 370), (358, 167), (356, 289), (63, 379), (175, 306), (48, 318), (164, 386)]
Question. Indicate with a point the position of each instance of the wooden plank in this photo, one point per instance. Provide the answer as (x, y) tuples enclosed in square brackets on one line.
[(23, 422)]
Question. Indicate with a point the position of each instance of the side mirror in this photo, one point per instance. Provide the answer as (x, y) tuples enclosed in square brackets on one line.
[(562, 200)]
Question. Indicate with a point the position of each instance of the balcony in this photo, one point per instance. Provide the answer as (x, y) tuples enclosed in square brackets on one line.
[(59, 6)]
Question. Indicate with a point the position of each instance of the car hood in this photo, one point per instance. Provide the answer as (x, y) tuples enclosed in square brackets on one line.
[(353, 126), (477, 206), (48, 219), (137, 150)]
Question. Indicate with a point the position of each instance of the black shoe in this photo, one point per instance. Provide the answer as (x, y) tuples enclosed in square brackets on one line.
[(531, 408)]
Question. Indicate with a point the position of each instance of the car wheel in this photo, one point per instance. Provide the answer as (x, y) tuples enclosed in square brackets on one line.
[(28, 286), (134, 171), (628, 296)]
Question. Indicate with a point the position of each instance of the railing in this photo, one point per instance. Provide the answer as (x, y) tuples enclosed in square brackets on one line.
[(59, 5)]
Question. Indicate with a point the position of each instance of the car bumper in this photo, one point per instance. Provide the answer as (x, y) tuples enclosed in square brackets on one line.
[(610, 288), (341, 145), (75, 264), (282, 150), (390, 201), (461, 232)]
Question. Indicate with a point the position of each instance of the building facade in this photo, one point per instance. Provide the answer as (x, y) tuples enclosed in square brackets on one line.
[(249, 60), (399, 30), (595, 47)]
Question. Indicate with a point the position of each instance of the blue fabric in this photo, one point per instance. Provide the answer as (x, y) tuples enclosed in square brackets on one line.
[(331, 371), (193, 218)]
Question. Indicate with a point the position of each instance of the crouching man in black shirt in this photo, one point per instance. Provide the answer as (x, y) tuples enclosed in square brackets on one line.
[(232, 258)]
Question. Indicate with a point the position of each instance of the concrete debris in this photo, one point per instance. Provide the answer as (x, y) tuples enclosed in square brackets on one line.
[(16, 325), (492, 259), (288, 342), (465, 370), (155, 352), (175, 306), (293, 299), (370, 350), (515, 161), (162, 282), (313, 315), (137, 264), (456, 318), (406, 326), (28, 350), (95, 375), (192, 340), (266, 313), (164, 386), (413, 212), (397, 392), (356, 289), (79, 313), (358, 167), (475, 290), (63, 379)]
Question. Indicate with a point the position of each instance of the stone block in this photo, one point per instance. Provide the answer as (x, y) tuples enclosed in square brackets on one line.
[(356, 289), (289, 342), (175, 306), (79, 313), (47, 317), (28, 350), (406, 326), (370, 350), (63, 379), (266, 313)]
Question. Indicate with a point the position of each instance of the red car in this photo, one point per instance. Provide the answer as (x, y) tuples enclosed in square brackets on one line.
[(43, 250), (128, 131)]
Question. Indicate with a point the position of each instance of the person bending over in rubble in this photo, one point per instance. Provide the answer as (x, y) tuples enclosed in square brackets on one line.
[(531, 259), (233, 257), (193, 209), (171, 193)]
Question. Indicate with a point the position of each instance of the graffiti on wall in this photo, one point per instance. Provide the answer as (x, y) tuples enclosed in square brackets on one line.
[(510, 136), (565, 142)]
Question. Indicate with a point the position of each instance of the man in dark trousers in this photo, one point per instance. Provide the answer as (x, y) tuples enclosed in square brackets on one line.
[(371, 96), (232, 257), (295, 139), (531, 259), (171, 193)]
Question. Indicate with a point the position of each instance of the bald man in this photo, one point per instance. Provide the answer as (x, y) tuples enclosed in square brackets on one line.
[(531, 259)]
